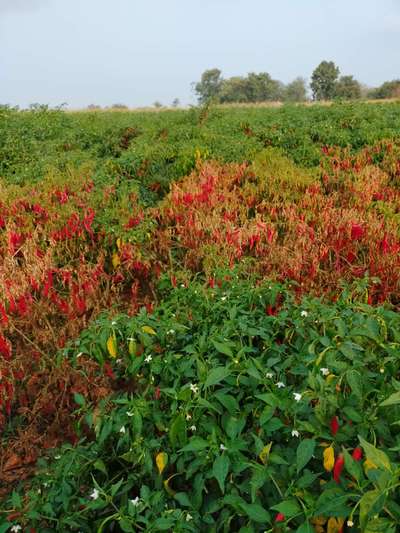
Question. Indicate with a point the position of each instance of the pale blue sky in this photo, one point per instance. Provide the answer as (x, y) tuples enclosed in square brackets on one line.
[(139, 51)]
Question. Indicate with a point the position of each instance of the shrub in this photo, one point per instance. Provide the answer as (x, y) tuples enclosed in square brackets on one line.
[(242, 409)]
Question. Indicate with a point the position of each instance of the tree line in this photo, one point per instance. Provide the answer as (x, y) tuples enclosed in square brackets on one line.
[(326, 84)]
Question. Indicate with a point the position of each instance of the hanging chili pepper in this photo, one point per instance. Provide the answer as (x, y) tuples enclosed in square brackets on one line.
[(337, 469)]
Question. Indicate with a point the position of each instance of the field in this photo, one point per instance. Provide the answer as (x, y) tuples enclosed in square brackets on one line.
[(199, 326)]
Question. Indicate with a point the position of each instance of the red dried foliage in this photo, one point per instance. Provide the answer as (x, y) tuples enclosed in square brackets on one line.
[(316, 233)]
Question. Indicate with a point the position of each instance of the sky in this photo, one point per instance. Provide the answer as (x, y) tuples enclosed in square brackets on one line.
[(136, 52)]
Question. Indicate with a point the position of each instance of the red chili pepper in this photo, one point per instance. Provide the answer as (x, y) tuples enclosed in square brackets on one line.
[(357, 454), (337, 469), (280, 517), (157, 393), (5, 348), (334, 425), (108, 370)]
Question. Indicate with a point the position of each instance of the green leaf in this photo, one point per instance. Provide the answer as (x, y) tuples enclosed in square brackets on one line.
[(115, 488), (380, 525), (379, 458), (177, 432), (195, 444), (351, 413), (305, 528), (305, 451), (126, 525), (370, 504), (256, 513), (347, 351), (332, 502), (288, 507), (163, 524), (352, 466), (79, 399), (267, 414), (355, 381), (183, 499), (137, 423), (16, 500), (220, 470), (268, 398), (306, 480), (4, 527), (392, 400), (229, 402), (223, 348), (234, 425), (99, 465), (216, 375)]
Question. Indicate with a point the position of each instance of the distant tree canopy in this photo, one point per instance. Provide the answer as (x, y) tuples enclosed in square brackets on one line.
[(253, 88), (296, 91), (348, 88), (389, 89), (209, 86), (323, 80), (261, 87)]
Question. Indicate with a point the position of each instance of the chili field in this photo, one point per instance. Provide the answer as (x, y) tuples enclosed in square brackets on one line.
[(199, 319)]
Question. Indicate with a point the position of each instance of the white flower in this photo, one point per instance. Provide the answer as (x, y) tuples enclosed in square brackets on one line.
[(324, 371), (16, 528), (350, 523), (122, 430), (79, 354), (130, 413), (295, 433), (222, 447), (95, 494), (194, 388), (189, 517), (280, 385), (182, 285), (297, 396), (382, 370), (223, 298), (170, 332), (193, 428), (113, 323), (188, 417), (136, 501), (118, 361), (304, 313), (269, 375), (148, 359), (57, 457)]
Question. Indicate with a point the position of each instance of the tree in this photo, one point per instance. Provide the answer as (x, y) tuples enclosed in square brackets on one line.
[(389, 89), (175, 102), (323, 80), (235, 89), (209, 85), (157, 104), (296, 91), (262, 88), (348, 88)]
